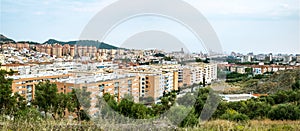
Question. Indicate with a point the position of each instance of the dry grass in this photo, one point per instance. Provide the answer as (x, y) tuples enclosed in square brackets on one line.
[(215, 125), (253, 125)]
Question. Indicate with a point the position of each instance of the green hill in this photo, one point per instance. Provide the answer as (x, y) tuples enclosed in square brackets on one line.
[(98, 44), (4, 39), (281, 80)]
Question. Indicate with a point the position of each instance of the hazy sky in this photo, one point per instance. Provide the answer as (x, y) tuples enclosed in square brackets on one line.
[(259, 26)]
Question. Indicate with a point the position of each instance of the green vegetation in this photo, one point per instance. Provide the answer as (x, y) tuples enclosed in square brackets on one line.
[(204, 61), (10, 103), (280, 105), (159, 55), (47, 102), (268, 83), (214, 125), (233, 115), (235, 77), (166, 58), (285, 112), (130, 109), (4, 39)]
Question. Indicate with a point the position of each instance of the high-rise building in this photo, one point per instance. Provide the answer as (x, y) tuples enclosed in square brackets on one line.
[(72, 50), (57, 50), (66, 50)]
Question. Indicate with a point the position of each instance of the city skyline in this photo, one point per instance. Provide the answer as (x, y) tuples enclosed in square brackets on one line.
[(249, 26), (150, 64)]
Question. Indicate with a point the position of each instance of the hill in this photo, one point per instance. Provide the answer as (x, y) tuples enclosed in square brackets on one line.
[(98, 44), (281, 80), (4, 39)]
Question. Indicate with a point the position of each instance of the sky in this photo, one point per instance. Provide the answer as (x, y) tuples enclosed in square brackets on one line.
[(259, 26)]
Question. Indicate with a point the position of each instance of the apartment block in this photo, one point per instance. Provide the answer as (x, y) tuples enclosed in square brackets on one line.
[(25, 84), (99, 84), (195, 73)]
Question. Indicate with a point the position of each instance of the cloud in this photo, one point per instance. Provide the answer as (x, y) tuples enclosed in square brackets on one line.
[(247, 8), (211, 8)]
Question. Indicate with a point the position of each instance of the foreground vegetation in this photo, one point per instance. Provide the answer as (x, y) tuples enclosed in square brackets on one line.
[(279, 110), (222, 125)]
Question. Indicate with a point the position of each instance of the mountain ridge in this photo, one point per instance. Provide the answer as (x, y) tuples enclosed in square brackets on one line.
[(4, 39), (99, 45)]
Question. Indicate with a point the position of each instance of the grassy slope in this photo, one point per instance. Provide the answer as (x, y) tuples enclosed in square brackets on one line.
[(253, 125), (281, 80)]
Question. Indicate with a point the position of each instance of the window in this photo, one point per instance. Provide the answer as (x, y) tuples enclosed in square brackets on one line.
[(101, 86), (116, 84), (116, 88)]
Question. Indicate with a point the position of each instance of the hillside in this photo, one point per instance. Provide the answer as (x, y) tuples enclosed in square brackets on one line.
[(98, 44), (4, 39), (281, 80), (101, 45)]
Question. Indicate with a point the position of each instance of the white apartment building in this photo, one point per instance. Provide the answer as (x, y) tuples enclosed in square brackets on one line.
[(199, 72)]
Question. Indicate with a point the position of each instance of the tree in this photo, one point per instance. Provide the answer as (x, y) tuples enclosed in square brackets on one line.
[(191, 120), (187, 100), (110, 100), (168, 58), (200, 100), (166, 103), (124, 107), (82, 103), (233, 115), (139, 111), (159, 55), (63, 104), (107, 106), (256, 109), (45, 97), (248, 70), (158, 109), (221, 109), (129, 97), (8, 100), (296, 85), (284, 112), (29, 113), (199, 60), (280, 97), (177, 113), (206, 60)]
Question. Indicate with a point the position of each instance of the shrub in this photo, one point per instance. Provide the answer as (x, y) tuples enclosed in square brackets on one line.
[(284, 112), (233, 115)]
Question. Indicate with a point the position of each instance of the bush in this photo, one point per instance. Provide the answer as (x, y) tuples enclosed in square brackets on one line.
[(284, 112), (190, 121), (233, 115)]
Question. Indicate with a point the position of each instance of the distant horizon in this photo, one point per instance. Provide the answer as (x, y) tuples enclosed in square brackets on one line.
[(249, 25), (225, 52)]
